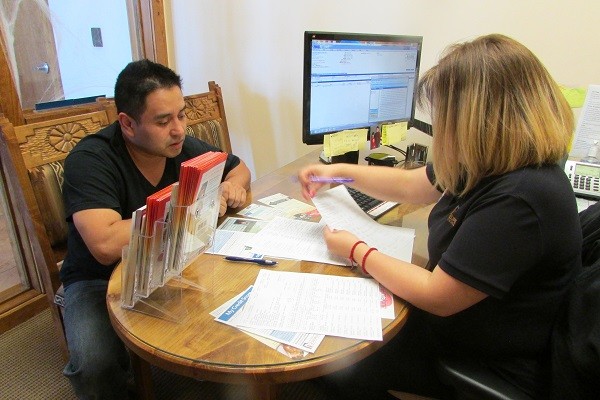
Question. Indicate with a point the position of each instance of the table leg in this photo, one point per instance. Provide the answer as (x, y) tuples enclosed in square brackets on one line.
[(143, 377), (263, 391)]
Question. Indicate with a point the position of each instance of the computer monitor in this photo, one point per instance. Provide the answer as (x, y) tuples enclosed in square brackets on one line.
[(357, 80)]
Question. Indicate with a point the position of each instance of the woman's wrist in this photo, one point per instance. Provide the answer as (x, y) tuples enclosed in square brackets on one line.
[(353, 250)]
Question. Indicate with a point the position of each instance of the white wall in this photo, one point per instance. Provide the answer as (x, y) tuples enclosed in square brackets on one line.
[(253, 49), (87, 70)]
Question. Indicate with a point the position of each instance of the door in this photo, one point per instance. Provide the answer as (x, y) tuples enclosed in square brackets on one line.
[(36, 61)]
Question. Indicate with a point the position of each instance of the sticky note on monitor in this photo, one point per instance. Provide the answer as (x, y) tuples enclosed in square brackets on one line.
[(575, 96), (393, 133), (344, 141)]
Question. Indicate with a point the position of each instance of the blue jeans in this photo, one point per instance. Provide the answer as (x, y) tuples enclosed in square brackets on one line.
[(99, 365)]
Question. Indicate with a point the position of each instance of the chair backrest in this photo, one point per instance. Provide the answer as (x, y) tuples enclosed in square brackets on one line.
[(205, 113), (37, 152), (206, 117), (31, 116)]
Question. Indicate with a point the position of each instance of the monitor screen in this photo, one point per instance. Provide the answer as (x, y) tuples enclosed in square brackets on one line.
[(354, 80)]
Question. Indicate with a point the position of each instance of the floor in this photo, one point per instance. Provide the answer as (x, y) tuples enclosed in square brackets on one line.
[(32, 343)]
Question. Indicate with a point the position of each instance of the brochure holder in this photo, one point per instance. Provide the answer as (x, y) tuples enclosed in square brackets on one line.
[(152, 266)]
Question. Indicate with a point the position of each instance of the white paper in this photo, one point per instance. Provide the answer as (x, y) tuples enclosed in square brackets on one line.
[(287, 205), (386, 303), (295, 239), (259, 211), (588, 126), (242, 225), (339, 211), (314, 303), (233, 235), (583, 203), (229, 243), (229, 313)]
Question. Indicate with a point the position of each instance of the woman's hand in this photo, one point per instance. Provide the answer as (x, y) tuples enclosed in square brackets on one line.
[(309, 188), (339, 242)]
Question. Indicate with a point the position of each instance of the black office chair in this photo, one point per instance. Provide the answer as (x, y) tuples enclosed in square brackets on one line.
[(473, 381), (575, 341)]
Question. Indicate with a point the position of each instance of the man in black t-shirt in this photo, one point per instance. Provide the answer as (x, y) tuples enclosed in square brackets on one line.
[(107, 176)]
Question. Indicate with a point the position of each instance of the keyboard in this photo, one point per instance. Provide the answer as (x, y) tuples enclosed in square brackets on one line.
[(374, 207)]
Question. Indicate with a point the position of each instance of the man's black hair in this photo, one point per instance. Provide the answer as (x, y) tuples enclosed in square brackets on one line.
[(137, 80)]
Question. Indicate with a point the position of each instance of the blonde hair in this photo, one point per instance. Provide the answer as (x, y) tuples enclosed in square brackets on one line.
[(494, 109)]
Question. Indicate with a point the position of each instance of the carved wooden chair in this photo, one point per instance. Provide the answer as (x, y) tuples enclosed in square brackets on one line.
[(206, 117), (30, 115), (35, 152), (205, 113)]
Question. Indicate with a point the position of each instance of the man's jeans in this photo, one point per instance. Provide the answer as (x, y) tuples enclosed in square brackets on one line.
[(98, 367)]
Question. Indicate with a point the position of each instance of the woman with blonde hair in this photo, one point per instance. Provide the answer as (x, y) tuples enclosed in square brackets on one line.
[(504, 234)]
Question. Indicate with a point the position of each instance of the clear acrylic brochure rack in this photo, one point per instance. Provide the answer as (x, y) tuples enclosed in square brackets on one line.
[(152, 279)]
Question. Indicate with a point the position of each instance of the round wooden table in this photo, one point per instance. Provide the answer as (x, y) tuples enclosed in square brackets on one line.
[(197, 346), (194, 345)]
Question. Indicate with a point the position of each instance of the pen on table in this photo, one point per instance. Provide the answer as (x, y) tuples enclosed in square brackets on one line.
[(260, 261), (334, 179)]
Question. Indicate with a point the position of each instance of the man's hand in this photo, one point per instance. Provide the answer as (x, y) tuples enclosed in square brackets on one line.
[(232, 195)]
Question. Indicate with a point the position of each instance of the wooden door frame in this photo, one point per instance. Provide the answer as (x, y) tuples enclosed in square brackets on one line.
[(154, 47)]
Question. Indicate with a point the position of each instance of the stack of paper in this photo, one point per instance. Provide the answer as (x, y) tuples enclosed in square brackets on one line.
[(200, 175), (192, 224), (144, 269)]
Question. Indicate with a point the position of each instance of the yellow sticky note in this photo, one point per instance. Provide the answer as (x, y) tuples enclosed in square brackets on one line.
[(393, 133), (343, 142), (575, 96)]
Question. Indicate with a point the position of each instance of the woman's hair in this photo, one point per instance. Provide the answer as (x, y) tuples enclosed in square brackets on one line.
[(137, 80), (494, 109)]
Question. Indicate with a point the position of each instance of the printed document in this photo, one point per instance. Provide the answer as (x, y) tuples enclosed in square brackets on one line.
[(339, 211), (295, 239), (314, 303), (588, 126), (233, 235), (231, 310), (289, 206)]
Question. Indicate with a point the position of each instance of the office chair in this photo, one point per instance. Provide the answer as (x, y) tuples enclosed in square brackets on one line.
[(472, 381)]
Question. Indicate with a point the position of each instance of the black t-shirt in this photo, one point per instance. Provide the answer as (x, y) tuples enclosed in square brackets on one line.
[(99, 173), (517, 238)]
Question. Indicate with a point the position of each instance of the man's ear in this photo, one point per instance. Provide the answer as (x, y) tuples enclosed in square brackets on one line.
[(127, 124)]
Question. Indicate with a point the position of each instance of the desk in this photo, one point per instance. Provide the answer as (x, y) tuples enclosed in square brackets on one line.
[(202, 348)]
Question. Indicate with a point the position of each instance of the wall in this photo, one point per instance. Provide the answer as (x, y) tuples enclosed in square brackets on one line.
[(253, 49), (87, 70)]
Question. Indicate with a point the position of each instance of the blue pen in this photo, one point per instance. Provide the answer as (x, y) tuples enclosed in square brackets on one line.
[(259, 261), (335, 179)]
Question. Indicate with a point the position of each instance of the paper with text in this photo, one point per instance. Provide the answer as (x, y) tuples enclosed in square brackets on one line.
[(314, 303), (259, 211), (588, 126), (339, 211), (295, 239), (287, 205), (230, 312)]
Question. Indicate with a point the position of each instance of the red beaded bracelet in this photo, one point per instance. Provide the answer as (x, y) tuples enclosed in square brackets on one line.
[(352, 260), (364, 270)]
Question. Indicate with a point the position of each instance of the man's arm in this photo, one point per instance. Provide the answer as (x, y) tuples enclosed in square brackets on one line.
[(104, 233), (235, 186)]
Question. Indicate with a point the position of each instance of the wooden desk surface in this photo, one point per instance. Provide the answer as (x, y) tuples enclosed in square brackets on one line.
[(199, 347)]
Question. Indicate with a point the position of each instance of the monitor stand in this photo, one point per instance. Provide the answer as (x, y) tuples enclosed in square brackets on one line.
[(350, 157)]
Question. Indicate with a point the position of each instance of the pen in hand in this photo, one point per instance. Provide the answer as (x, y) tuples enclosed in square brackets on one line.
[(259, 261), (334, 179)]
